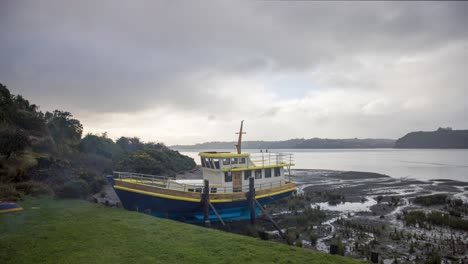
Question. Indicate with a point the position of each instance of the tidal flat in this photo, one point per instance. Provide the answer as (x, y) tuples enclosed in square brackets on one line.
[(360, 213)]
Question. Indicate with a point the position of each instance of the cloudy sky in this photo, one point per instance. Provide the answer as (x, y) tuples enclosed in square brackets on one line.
[(188, 71)]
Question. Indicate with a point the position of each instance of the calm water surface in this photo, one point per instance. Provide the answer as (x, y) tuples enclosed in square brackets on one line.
[(422, 164)]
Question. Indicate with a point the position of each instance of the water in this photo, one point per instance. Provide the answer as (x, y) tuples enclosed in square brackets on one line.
[(421, 164), (348, 206)]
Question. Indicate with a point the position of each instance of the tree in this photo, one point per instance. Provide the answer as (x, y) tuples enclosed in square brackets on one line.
[(12, 142), (6, 104), (130, 144), (99, 145), (64, 129)]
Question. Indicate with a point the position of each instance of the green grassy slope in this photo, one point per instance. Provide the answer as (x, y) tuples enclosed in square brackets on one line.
[(74, 231)]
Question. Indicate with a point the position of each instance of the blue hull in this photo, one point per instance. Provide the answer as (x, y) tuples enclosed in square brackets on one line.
[(189, 211)]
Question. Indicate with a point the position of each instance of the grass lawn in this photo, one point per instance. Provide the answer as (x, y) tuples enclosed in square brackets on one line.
[(75, 231)]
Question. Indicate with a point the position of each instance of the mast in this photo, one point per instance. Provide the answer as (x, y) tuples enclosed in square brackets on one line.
[(239, 141)]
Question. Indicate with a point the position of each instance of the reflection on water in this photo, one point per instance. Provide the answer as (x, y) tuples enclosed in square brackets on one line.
[(348, 206), (422, 164)]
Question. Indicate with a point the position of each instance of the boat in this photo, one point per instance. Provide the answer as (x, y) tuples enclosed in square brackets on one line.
[(7, 206), (228, 180)]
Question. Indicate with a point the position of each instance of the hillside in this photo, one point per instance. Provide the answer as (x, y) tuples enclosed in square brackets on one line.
[(441, 138), (312, 143), (74, 231), (46, 153)]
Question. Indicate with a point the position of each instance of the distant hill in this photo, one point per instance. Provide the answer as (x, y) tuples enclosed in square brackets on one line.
[(441, 138), (312, 143)]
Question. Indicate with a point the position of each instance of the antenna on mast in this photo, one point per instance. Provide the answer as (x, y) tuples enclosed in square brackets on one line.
[(239, 141)]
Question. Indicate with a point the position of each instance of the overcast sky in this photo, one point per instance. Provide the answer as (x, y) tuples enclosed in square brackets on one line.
[(189, 71)]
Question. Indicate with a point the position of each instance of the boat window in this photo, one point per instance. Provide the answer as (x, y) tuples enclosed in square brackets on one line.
[(277, 172), (203, 162), (226, 161), (258, 174), (208, 163), (214, 190), (247, 174), (234, 161), (227, 176), (216, 163), (212, 164), (241, 160), (267, 173)]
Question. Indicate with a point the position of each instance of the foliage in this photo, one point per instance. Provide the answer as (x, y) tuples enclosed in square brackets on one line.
[(8, 192), (34, 188), (415, 217), (76, 188), (55, 156), (18, 112), (64, 129), (150, 158), (310, 216), (100, 145), (140, 162), (434, 199), (12, 142), (435, 218), (433, 259)]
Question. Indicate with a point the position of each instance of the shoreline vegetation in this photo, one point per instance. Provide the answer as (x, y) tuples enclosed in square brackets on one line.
[(75, 231), (46, 153)]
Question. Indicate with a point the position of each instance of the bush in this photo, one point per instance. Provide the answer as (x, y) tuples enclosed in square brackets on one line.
[(431, 199), (94, 181), (75, 188), (34, 188), (9, 193)]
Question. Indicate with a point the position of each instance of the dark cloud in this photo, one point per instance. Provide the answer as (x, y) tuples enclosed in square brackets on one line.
[(93, 57)]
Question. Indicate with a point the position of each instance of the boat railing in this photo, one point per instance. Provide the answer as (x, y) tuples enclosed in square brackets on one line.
[(169, 183), (141, 178), (264, 159), (214, 188)]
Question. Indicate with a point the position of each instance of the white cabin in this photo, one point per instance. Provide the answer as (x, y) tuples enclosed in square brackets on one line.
[(231, 171)]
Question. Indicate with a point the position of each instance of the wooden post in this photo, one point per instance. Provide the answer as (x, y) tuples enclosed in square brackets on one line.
[(206, 203), (333, 249), (374, 257), (270, 218), (251, 200)]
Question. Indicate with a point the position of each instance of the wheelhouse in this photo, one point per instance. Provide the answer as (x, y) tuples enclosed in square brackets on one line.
[(232, 170)]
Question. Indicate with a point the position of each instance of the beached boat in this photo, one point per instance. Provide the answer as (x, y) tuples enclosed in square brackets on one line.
[(226, 178)]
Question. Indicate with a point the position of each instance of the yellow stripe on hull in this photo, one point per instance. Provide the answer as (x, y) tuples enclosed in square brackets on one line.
[(173, 197), (11, 210)]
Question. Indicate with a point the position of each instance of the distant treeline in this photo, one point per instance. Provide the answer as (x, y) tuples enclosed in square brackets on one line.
[(441, 138), (312, 143)]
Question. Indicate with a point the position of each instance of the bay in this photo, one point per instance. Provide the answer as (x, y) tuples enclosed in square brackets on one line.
[(421, 164)]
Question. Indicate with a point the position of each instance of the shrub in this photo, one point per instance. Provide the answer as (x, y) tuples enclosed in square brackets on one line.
[(34, 188), (94, 181), (431, 199), (9, 193), (75, 188)]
